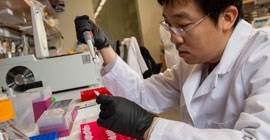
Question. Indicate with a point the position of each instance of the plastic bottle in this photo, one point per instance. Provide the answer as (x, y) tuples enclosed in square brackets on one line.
[(25, 45), (13, 48), (7, 129)]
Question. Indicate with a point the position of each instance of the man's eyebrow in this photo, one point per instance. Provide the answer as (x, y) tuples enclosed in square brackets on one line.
[(179, 15), (182, 15)]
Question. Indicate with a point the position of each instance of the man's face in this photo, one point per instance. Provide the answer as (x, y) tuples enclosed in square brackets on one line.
[(201, 43)]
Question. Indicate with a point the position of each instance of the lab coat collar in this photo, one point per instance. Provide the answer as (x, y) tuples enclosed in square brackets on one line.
[(191, 85), (236, 44), (193, 82)]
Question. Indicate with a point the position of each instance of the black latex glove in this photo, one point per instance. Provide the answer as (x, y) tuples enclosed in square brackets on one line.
[(83, 23), (123, 116)]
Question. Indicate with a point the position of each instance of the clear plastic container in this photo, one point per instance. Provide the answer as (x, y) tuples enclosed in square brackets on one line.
[(24, 118), (7, 129), (41, 100)]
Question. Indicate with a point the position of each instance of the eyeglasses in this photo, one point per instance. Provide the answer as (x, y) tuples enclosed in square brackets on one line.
[(181, 31)]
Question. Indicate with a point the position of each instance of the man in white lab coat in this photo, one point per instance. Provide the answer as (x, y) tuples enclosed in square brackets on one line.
[(221, 84)]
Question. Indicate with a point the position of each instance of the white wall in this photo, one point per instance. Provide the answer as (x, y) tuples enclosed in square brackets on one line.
[(119, 20), (150, 15), (66, 19)]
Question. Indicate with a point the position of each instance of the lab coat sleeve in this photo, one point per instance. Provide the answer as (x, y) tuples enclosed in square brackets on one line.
[(248, 127), (148, 93), (254, 121), (174, 130)]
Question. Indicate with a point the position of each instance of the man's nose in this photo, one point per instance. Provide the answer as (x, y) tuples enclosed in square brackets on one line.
[(176, 39)]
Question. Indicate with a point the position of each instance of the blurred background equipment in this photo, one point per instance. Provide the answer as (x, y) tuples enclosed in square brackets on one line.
[(60, 73)]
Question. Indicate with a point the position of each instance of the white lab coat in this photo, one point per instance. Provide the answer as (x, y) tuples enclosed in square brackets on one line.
[(170, 53), (134, 57), (232, 103)]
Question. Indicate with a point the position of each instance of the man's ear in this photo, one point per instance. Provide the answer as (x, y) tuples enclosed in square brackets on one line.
[(228, 18)]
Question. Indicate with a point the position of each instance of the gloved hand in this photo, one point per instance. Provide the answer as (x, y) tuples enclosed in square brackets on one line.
[(123, 116), (83, 23)]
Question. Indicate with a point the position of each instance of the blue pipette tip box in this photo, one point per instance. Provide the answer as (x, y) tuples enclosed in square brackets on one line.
[(48, 136)]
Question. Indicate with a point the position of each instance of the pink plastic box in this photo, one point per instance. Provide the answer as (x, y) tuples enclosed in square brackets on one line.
[(58, 118)]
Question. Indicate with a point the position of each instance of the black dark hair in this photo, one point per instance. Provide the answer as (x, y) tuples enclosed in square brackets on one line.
[(212, 7)]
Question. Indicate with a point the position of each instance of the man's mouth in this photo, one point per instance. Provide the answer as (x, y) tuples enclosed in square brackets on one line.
[(183, 53)]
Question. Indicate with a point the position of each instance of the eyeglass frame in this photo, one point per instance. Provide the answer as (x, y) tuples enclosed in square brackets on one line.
[(181, 31)]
